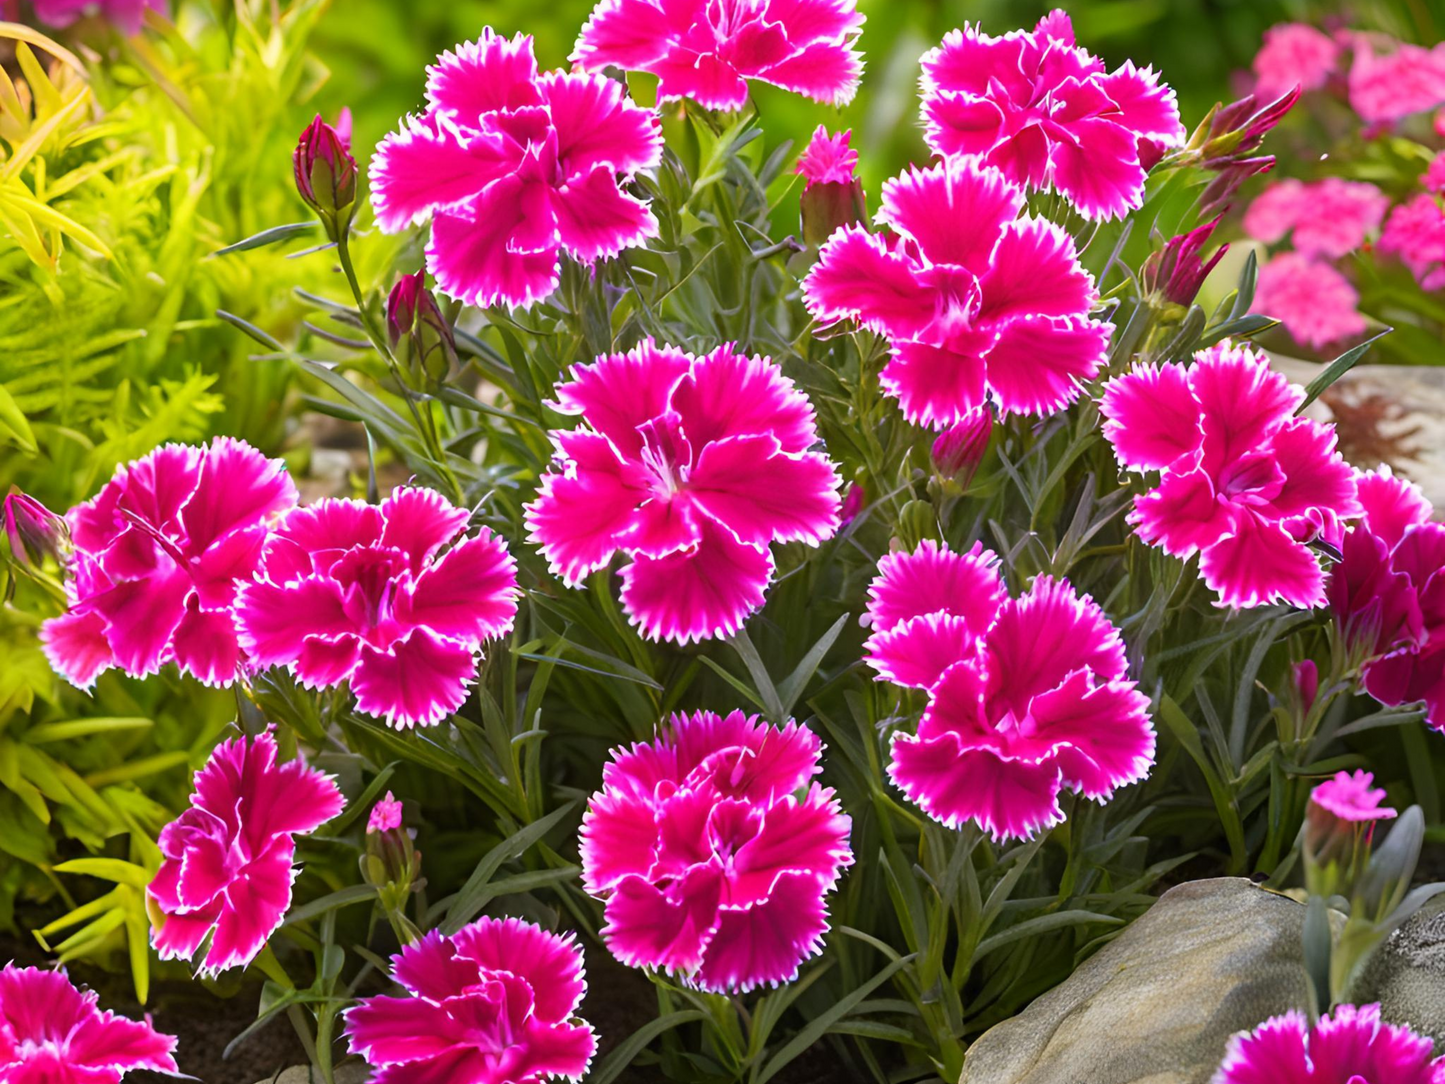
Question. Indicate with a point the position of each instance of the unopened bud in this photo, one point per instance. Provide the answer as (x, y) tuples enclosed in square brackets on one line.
[(326, 175), (33, 531), (960, 448)]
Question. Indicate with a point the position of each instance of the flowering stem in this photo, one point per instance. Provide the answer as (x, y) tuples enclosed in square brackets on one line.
[(425, 427)]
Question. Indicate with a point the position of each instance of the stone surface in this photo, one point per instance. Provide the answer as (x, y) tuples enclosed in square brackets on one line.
[(1156, 1005), (1407, 973), (351, 1072)]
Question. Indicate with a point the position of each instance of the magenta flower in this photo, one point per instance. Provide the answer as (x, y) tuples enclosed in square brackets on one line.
[(127, 15), (1027, 696), (1329, 218), (1411, 79), (708, 51), (1352, 798), (1294, 55), (713, 851), (227, 865), (1415, 232), (158, 556), (693, 467), (1048, 113), (514, 169), (52, 1033), (1314, 302), (1388, 594), (363, 593), (1243, 482), (976, 301), (492, 1004), (1347, 1046), (385, 815)]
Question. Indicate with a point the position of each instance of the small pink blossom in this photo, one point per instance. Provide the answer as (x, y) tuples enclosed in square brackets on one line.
[(1243, 482), (693, 467), (1415, 232), (1048, 113), (52, 1033), (1388, 594), (227, 860), (158, 556), (1329, 218), (127, 15), (832, 195), (1027, 696), (514, 169), (1352, 798), (1350, 1045), (1294, 55), (827, 159), (708, 52), (1384, 89), (385, 815), (1314, 302), (360, 593), (492, 1004), (976, 301), (714, 851)]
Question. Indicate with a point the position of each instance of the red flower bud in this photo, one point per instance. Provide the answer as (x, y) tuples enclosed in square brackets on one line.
[(1178, 270), (412, 313), (960, 449), (34, 531), (326, 174)]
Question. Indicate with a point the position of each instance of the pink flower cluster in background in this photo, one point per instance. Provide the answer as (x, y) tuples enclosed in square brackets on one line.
[(977, 302), (52, 1033), (1415, 232), (1048, 113), (693, 467), (1027, 696), (708, 51), (127, 15), (1312, 299), (492, 1003), (714, 851), (227, 866), (365, 594), (1388, 594), (1294, 55), (515, 168), (159, 554), (1243, 483), (1348, 1045)]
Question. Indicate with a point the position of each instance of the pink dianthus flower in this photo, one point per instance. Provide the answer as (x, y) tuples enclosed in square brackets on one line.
[(1243, 482), (1048, 113), (707, 50), (1314, 302), (1415, 232), (693, 467), (1352, 798), (1388, 594), (1294, 55), (364, 594), (52, 1033), (385, 815), (827, 159), (714, 852), (515, 168), (491, 1004), (1329, 218), (159, 554), (1027, 696), (1350, 1045), (976, 301), (1411, 79), (227, 860)]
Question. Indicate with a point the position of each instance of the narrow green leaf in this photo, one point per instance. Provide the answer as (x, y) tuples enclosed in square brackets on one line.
[(794, 684), (272, 236), (1033, 927), (474, 894), (81, 728), (252, 330), (621, 1057), (1338, 368)]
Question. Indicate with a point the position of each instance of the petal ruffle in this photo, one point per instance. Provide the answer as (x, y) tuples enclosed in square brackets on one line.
[(418, 681), (1259, 564)]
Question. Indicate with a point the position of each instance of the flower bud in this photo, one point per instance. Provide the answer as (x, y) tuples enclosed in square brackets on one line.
[(832, 195), (852, 504), (960, 449), (391, 863), (1306, 683), (326, 174), (1229, 175), (1339, 829), (33, 531), (1178, 271), (412, 313)]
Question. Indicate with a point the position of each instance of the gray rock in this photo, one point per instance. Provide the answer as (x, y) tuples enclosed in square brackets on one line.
[(351, 1072), (1407, 973), (1157, 1004)]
